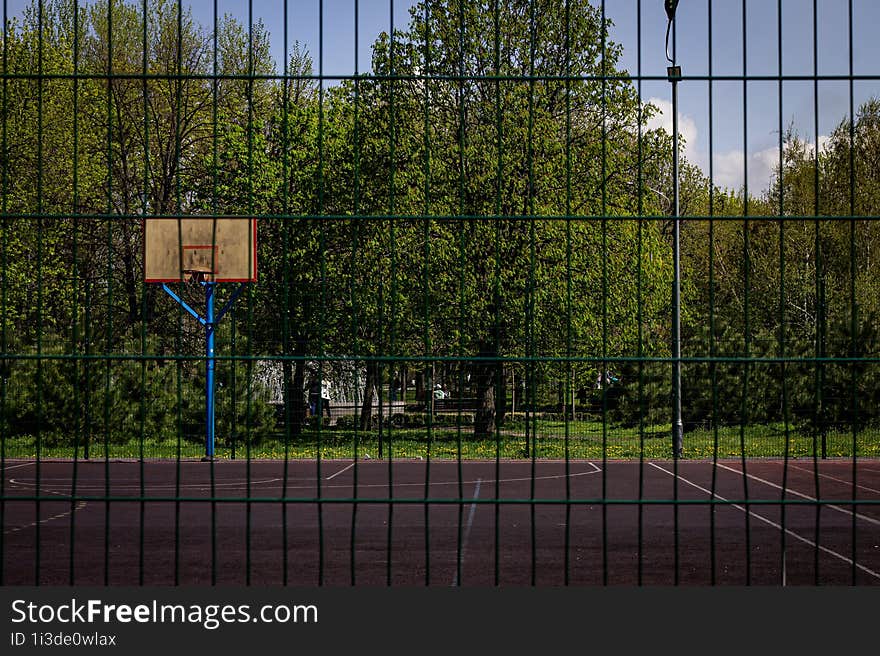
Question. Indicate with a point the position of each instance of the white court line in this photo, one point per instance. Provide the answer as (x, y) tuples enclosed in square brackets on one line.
[(344, 469), (79, 506), (81, 487), (24, 464), (834, 478), (596, 470), (870, 520), (65, 482), (467, 530), (788, 531)]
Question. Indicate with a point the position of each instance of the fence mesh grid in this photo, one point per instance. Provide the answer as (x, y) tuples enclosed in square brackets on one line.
[(462, 358)]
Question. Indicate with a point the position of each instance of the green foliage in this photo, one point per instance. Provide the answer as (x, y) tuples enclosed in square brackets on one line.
[(57, 398), (242, 417)]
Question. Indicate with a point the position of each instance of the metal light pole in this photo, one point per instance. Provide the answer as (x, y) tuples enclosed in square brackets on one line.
[(674, 74)]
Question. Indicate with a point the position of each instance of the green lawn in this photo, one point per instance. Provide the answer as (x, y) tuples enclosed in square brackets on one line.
[(546, 439)]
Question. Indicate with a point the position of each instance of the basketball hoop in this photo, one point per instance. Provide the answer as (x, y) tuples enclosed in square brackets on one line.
[(199, 253), (193, 276), (223, 249)]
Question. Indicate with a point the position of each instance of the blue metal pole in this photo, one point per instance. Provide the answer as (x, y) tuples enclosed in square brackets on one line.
[(209, 321), (209, 370)]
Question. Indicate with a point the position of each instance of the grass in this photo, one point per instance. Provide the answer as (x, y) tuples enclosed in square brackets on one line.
[(546, 440)]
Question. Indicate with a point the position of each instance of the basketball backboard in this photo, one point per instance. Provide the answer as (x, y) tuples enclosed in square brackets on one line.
[(219, 249)]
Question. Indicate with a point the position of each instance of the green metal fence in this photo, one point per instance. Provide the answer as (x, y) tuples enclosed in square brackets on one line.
[(492, 232)]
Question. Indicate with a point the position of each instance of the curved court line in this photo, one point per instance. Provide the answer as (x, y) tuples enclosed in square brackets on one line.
[(834, 478), (76, 508), (68, 513), (596, 470), (64, 483), (788, 531), (21, 464), (242, 483)]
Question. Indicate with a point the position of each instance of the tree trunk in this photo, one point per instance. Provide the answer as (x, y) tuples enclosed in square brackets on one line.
[(294, 389), (132, 278), (420, 386), (369, 389), (484, 419), (500, 395), (404, 374)]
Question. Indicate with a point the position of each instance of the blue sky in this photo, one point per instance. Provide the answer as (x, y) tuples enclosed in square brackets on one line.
[(738, 144), (752, 142)]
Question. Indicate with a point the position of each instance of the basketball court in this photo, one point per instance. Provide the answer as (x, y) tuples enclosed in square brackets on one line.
[(441, 523)]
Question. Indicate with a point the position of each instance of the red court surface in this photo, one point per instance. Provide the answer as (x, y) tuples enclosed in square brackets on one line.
[(414, 523)]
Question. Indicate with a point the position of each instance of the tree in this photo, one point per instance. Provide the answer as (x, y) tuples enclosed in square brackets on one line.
[(500, 131)]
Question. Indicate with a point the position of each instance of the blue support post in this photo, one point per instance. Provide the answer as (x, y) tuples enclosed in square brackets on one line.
[(209, 321), (209, 371)]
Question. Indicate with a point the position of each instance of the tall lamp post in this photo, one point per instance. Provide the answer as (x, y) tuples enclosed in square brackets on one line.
[(674, 74)]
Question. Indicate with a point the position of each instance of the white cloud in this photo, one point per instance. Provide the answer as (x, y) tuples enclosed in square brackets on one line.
[(824, 140), (729, 166), (687, 127), (729, 169)]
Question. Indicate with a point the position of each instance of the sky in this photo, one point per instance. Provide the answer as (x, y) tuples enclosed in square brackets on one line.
[(738, 139), (743, 128)]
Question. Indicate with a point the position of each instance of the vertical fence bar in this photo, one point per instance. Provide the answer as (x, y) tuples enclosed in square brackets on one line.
[(603, 372), (782, 301), (5, 364), (499, 174), (78, 428), (744, 407), (392, 208), (286, 382), (713, 342), (819, 352), (144, 210), (569, 350), (249, 363), (853, 346), (355, 239), (640, 352), (108, 343), (425, 338), (40, 294), (215, 170), (322, 330)]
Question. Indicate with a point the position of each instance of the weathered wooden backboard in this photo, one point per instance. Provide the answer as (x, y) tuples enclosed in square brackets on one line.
[(222, 249)]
